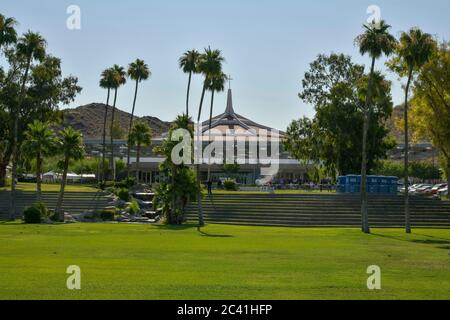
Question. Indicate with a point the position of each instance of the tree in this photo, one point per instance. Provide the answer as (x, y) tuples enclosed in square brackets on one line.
[(106, 82), (117, 131), (217, 84), (39, 143), (137, 71), (119, 80), (140, 137), (376, 41), (209, 65), (430, 107), (71, 147), (31, 46), (413, 51), (337, 88), (188, 63), (8, 34), (181, 188)]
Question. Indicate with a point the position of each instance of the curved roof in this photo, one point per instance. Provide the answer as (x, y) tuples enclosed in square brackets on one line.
[(230, 120)]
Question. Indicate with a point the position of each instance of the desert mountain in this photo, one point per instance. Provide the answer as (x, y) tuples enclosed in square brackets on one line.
[(89, 120)]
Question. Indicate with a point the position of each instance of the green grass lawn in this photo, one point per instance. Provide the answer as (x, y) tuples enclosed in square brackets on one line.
[(52, 188), (222, 262)]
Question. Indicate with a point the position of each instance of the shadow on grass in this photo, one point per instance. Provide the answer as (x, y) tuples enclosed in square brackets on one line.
[(442, 242), (189, 227)]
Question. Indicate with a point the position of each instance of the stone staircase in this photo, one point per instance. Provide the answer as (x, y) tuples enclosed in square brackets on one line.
[(317, 210), (74, 202)]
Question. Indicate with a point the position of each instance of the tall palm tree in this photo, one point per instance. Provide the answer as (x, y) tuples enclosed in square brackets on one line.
[(137, 71), (217, 84), (106, 82), (188, 63), (139, 137), (70, 144), (119, 79), (31, 46), (376, 41), (8, 34), (39, 143), (413, 52), (210, 65)]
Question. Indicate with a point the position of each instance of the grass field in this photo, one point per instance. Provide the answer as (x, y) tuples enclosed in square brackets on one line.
[(221, 262), (52, 188)]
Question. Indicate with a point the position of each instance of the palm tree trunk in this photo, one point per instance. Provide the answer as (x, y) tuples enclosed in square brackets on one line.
[(59, 212), (131, 127), (364, 198), (12, 205), (104, 138), (138, 159), (407, 213), (112, 164), (38, 177), (209, 132), (201, 221), (188, 92)]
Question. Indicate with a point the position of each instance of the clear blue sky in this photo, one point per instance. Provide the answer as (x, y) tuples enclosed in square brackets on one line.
[(268, 45)]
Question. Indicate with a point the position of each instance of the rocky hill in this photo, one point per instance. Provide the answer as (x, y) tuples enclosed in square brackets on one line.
[(89, 120)]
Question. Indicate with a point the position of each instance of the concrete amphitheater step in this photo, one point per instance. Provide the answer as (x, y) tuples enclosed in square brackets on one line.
[(319, 210)]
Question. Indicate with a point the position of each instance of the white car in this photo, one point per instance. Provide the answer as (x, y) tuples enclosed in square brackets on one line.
[(443, 191), (438, 187), (423, 189)]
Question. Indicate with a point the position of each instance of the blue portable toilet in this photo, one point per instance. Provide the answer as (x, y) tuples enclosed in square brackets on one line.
[(341, 183), (373, 184), (385, 184)]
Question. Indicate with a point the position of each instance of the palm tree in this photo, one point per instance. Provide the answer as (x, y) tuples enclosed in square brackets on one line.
[(376, 41), (70, 144), (8, 34), (217, 84), (39, 143), (210, 65), (140, 136), (119, 79), (413, 52), (31, 46), (106, 82), (188, 63), (137, 71)]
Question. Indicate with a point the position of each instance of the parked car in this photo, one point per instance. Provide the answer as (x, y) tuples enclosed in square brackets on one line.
[(436, 188), (423, 189), (443, 191)]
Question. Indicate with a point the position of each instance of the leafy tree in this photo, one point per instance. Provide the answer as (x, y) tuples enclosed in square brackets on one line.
[(376, 41), (430, 107), (71, 147), (39, 143), (337, 88), (413, 51), (31, 46), (209, 65), (137, 71), (117, 131), (140, 137), (188, 63)]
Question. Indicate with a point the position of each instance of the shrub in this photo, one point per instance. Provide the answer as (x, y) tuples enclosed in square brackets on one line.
[(126, 183), (35, 213), (134, 207), (32, 215), (230, 185), (124, 195), (108, 215)]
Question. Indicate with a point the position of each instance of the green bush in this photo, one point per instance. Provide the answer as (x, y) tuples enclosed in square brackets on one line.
[(230, 185), (108, 215), (134, 207), (35, 213), (126, 183), (124, 195)]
